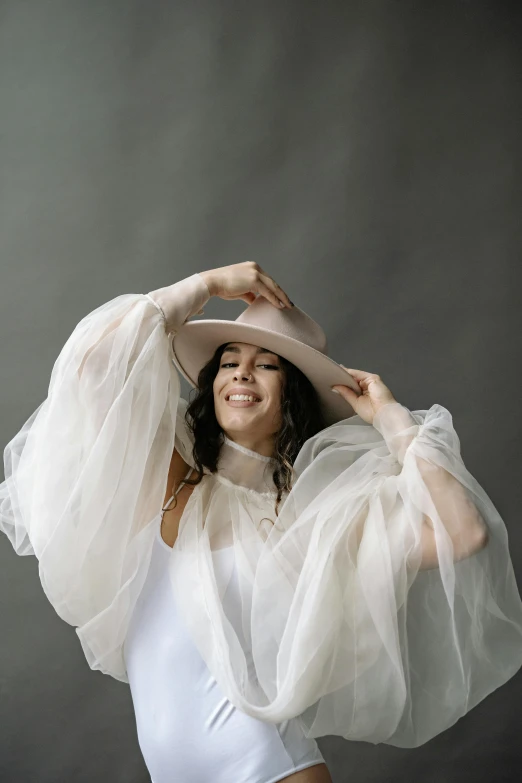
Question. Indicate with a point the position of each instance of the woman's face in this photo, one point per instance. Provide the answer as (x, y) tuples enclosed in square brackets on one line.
[(261, 372)]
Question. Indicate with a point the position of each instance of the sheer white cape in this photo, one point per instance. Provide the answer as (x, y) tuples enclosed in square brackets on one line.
[(339, 625)]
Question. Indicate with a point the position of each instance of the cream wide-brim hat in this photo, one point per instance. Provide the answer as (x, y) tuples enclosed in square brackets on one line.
[(289, 332)]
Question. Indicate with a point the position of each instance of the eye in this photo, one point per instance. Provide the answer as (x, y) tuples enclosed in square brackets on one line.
[(273, 366)]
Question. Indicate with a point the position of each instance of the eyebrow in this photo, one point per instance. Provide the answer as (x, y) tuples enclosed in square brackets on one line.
[(236, 349)]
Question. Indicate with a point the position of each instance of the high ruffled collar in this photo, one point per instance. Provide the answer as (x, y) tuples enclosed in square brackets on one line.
[(245, 467)]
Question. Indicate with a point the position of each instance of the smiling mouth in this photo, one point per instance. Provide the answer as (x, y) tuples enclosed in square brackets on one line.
[(241, 403)]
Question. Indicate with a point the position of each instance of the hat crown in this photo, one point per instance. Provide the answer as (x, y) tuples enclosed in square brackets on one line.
[(290, 322)]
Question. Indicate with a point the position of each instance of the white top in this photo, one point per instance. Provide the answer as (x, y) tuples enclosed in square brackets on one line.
[(187, 728), (369, 604)]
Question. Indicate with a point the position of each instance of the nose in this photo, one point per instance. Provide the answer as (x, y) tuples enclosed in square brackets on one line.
[(244, 374)]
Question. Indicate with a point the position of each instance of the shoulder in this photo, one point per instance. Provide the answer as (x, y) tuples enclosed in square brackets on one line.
[(178, 464), (178, 469)]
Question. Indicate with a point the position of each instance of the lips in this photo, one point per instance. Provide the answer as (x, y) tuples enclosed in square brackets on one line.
[(241, 403), (243, 390), (243, 394)]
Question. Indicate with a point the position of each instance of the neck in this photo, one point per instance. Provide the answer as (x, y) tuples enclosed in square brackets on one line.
[(246, 467), (254, 453), (262, 448)]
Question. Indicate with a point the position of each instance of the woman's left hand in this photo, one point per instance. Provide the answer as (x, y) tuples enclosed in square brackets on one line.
[(374, 394)]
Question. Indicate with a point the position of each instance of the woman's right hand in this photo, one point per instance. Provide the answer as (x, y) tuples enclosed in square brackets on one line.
[(244, 281)]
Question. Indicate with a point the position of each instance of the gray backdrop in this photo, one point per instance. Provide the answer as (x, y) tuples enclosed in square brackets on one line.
[(367, 155)]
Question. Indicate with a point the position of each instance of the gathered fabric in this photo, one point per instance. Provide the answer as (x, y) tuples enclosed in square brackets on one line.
[(342, 624)]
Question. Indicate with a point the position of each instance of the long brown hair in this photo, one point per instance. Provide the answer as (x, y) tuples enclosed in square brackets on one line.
[(301, 418)]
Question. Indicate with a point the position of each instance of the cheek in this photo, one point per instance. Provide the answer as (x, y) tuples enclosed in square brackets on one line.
[(277, 387), (275, 395)]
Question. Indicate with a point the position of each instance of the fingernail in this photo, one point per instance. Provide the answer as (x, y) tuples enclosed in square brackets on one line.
[(336, 391)]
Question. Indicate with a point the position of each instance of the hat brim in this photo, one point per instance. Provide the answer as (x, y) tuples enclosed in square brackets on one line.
[(195, 343)]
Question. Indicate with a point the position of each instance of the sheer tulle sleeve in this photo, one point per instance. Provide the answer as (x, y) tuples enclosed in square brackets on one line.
[(381, 605), (87, 471), (384, 605)]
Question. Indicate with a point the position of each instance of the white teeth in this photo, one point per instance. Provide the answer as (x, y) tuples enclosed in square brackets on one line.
[(243, 397)]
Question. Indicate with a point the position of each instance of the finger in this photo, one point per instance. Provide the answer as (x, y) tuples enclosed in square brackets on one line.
[(361, 375), (356, 374), (267, 292), (282, 295), (278, 291), (348, 394)]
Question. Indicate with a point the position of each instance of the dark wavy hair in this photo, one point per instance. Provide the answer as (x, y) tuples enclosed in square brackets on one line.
[(301, 418)]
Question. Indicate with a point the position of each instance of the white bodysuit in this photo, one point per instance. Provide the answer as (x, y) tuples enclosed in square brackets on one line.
[(188, 731)]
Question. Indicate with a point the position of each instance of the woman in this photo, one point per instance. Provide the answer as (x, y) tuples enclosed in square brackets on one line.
[(318, 572)]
